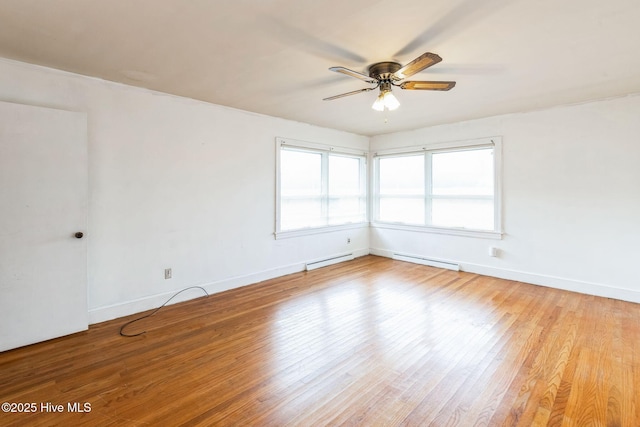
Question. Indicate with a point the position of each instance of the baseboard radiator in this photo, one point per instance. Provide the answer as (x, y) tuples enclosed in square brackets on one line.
[(427, 261), (329, 261)]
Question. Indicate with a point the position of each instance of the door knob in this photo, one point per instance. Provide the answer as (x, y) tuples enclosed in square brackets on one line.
[(79, 235)]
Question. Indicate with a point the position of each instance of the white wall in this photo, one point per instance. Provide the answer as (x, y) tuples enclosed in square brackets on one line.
[(571, 199), (176, 183), (189, 185)]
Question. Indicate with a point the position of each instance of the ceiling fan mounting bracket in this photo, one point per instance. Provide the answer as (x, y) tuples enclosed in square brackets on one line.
[(383, 70)]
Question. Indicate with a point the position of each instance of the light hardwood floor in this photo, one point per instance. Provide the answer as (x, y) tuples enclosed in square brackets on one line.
[(368, 342)]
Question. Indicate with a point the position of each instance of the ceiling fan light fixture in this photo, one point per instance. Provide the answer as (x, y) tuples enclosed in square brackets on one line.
[(378, 104), (390, 101), (386, 99)]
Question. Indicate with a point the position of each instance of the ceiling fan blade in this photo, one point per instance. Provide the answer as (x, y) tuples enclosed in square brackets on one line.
[(419, 85), (423, 61), (349, 93), (355, 74)]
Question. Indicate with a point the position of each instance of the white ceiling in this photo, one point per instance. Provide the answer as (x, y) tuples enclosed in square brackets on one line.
[(272, 56)]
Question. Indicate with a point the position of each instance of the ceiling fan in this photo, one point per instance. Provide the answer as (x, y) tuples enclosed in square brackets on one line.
[(384, 75)]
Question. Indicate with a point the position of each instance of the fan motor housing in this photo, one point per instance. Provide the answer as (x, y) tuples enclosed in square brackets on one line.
[(383, 70)]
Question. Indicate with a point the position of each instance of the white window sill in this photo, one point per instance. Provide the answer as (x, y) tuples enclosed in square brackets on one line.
[(483, 234), (318, 230)]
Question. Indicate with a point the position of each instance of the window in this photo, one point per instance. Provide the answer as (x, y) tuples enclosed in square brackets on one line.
[(444, 187), (319, 186)]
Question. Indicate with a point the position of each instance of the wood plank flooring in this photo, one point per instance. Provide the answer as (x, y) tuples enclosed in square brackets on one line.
[(371, 342)]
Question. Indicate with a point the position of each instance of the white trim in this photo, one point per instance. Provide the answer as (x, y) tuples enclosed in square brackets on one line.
[(293, 143), (463, 144), (483, 234), (497, 183), (102, 314), (431, 262), (373, 175), (555, 282), (312, 265), (318, 230), (277, 192), (381, 252)]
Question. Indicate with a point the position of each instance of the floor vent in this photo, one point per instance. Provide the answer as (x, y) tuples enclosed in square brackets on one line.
[(427, 261), (329, 261)]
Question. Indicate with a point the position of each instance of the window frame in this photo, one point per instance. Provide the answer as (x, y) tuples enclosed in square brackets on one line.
[(325, 150), (427, 150)]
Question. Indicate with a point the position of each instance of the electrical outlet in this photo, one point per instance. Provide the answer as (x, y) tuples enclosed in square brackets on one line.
[(348, 240), (167, 273)]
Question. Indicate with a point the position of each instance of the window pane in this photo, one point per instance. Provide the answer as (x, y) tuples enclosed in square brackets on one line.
[(344, 176), (409, 210), (301, 212), (401, 175), (343, 210), (463, 172), (319, 189), (346, 191), (467, 213), (300, 173)]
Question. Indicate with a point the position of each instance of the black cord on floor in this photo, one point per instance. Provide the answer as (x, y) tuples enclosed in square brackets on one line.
[(155, 311)]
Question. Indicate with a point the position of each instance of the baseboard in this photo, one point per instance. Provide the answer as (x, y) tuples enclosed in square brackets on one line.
[(324, 262), (102, 314), (539, 279), (114, 311), (431, 262), (572, 285)]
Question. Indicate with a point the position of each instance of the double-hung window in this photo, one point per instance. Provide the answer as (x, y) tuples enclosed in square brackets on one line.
[(450, 187), (319, 186)]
